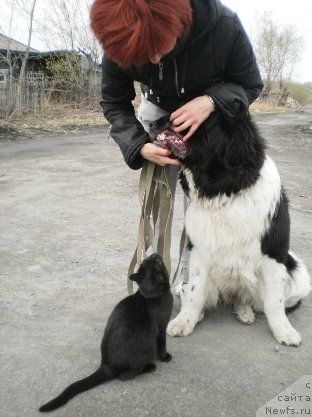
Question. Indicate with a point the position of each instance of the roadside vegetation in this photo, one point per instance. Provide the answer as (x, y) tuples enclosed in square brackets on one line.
[(58, 91), (62, 119)]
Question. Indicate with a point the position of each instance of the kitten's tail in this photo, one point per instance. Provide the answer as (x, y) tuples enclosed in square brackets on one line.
[(98, 377)]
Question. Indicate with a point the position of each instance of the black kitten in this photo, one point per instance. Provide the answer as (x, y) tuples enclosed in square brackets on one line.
[(135, 334)]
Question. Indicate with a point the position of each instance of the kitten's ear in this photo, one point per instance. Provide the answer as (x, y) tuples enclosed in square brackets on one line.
[(135, 277)]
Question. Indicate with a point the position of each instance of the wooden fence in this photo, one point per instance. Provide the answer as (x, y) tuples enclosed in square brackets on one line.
[(29, 100), (37, 97)]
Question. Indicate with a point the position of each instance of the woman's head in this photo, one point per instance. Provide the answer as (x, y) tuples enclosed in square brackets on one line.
[(134, 32)]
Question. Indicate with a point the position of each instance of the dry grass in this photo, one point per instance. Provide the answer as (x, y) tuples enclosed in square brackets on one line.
[(258, 108), (59, 119), (63, 119)]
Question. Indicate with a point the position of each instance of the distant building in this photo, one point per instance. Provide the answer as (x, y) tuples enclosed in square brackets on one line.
[(60, 76), (12, 45), (12, 52)]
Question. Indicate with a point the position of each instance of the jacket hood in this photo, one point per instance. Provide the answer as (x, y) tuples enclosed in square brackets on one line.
[(205, 15)]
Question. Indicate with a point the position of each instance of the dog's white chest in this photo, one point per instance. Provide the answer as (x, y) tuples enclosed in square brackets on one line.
[(228, 230)]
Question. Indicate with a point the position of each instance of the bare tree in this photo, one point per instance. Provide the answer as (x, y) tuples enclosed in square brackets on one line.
[(278, 49), (66, 26), (8, 57), (26, 10), (29, 9)]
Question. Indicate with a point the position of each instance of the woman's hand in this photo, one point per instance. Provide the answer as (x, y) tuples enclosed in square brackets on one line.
[(157, 155), (191, 115)]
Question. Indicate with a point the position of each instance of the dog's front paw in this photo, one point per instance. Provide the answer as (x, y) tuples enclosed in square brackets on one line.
[(245, 314), (287, 335), (180, 326)]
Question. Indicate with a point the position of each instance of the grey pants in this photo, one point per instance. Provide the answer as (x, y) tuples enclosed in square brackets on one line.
[(147, 113)]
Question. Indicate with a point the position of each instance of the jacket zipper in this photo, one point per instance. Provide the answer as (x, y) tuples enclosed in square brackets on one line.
[(160, 70), (176, 77)]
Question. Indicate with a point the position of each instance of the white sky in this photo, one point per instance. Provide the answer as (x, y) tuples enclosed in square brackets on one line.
[(297, 12)]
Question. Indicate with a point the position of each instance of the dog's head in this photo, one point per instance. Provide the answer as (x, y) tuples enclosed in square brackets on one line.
[(165, 137), (226, 155)]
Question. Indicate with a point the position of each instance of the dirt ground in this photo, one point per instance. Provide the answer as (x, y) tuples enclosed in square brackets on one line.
[(68, 223)]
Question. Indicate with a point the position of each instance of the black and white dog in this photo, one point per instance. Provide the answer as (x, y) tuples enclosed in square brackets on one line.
[(238, 228)]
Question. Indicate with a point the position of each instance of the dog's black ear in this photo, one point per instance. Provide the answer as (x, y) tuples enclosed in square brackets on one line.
[(245, 147)]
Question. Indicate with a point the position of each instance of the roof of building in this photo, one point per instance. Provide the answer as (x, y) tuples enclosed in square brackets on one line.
[(13, 45)]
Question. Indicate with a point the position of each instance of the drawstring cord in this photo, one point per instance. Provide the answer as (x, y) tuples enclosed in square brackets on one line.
[(183, 77), (179, 90)]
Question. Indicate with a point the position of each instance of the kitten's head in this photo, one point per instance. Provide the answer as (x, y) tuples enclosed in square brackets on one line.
[(152, 277)]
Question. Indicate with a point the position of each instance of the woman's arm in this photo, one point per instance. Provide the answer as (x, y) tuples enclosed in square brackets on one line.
[(242, 80), (117, 95)]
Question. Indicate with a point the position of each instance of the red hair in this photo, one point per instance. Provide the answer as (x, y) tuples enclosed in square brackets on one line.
[(132, 31)]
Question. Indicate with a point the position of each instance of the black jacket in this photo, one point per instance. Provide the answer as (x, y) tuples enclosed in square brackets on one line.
[(215, 58)]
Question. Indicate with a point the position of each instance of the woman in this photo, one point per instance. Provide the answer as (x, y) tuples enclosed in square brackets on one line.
[(191, 58)]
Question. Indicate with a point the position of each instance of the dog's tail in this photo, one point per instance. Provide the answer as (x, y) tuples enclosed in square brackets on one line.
[(98, 377), (300, 283)]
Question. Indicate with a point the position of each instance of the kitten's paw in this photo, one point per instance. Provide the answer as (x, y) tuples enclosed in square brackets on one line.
[(150, 367), (287, 335), (180, 326), (245, 314), (165, 358)]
